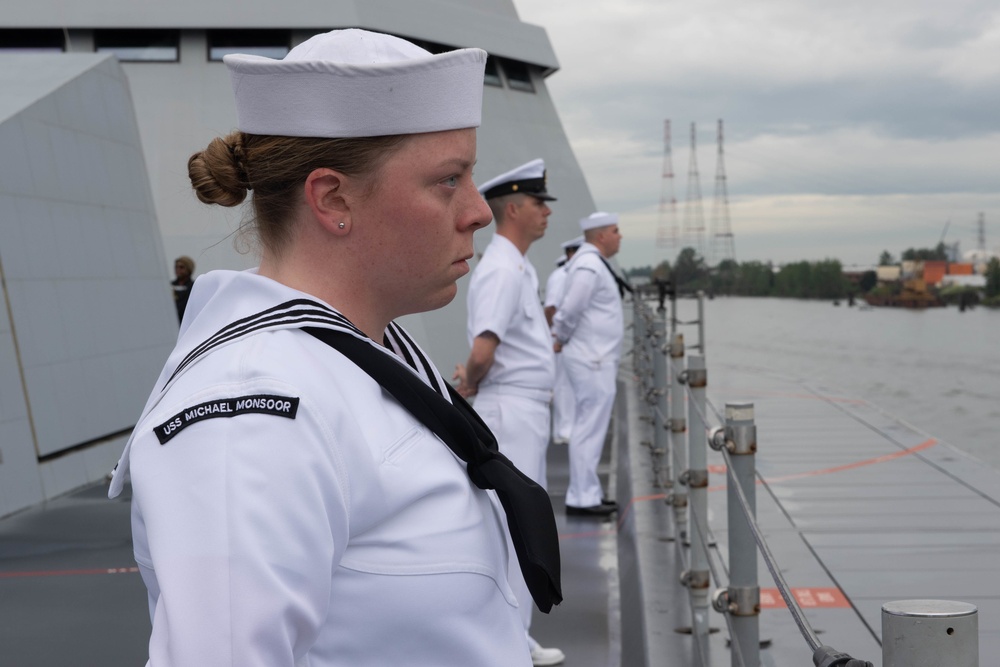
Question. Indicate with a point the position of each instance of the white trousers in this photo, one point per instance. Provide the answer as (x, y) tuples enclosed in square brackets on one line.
[(520, 421), (563, 403), (594, 389)]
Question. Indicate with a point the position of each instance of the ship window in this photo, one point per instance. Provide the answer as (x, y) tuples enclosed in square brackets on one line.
[(21, 39), (518, 76), (431, 47), (492, 76), (139, 45), (268, 43)]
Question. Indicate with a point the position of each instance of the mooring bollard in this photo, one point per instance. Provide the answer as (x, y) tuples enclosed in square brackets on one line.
[(930, 633), (744, 591), (678, 429), (696, 478)]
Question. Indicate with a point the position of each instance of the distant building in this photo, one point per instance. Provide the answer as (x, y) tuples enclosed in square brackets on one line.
[(888, 274), (964, 280), (980, 259), (934, 272)]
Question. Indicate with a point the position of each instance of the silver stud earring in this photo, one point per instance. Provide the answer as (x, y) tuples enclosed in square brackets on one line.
[(341, 225)]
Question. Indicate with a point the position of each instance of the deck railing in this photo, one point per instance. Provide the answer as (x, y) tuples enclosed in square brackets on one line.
[(685, 423)]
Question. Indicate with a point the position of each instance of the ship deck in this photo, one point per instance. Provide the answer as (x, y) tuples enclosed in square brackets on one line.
[(858, 507)]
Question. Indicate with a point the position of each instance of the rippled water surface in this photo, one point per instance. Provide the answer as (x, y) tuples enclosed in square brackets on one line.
[(937, 369)]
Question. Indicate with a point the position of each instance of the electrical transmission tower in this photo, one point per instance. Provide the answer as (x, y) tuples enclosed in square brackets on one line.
[(694, 218), (723, 247), (667, 235), (981, 233)]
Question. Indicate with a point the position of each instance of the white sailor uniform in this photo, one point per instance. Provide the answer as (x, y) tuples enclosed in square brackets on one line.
[(589, 324), (503, 298), (286, 511), (514, 396), (563, 402)]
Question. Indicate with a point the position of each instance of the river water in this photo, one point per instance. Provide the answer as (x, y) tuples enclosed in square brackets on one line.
[(937, 369)]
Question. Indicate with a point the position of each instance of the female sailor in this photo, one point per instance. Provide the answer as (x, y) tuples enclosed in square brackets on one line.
[(291, 505)]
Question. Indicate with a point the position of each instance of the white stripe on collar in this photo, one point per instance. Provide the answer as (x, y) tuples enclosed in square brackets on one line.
[(299, 313)]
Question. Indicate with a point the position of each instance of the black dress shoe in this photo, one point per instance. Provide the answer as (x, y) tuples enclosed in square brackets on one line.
[(596, 510), (609, 501)]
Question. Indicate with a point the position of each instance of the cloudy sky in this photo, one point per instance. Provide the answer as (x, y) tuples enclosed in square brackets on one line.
[(851, 127)]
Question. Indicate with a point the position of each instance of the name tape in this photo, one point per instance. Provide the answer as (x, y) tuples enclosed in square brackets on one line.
[(263, 404)]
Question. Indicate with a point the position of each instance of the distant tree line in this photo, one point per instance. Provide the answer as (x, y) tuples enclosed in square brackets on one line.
[(804, 280), (937, 253), (992, 292), (824, 279)]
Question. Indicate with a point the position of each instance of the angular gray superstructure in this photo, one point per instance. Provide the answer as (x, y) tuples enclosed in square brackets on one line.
[(86, 317), (183, 103)]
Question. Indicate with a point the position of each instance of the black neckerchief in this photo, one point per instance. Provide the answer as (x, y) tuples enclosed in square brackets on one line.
[(527, 505), (623, 286), (409, 376)]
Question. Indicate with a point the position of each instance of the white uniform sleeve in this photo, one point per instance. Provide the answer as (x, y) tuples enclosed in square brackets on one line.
[(579, 290), (554, 288), (247, 518), (496, 302)]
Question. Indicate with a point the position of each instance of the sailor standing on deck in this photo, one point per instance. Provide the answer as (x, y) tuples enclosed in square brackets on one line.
[(562, 394), (511, 368), (307, 489), (588, 328)]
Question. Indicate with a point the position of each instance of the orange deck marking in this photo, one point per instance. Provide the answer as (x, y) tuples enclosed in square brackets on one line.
[(930, 442), (622, 513), (808, 598), (68, 573), (926, 444)]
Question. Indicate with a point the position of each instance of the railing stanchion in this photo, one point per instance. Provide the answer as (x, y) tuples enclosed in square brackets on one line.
[(659, 388), (744, 591), (672, 293), (930, 633), (678, 427), (697, 577), (636, 336), (701, 323)]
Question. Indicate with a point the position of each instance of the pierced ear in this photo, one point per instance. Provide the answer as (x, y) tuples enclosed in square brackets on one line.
[(324, 194)]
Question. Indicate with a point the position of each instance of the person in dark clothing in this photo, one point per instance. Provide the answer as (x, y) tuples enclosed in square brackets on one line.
[(184, 270)]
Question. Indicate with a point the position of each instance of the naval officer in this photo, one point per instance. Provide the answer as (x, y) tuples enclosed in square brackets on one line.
[(292, 503), (562, 394), (511, 367), (588, 330)]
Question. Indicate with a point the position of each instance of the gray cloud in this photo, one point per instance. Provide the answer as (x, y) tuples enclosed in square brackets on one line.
[(858, 120)]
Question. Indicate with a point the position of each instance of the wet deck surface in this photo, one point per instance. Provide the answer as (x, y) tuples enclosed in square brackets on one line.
[(70, 593), (584, 625), (858, 508), (854, 503), (69, 590)]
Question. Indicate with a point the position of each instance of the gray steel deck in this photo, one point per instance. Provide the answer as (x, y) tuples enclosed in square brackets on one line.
[(70, 593), (852, 500)]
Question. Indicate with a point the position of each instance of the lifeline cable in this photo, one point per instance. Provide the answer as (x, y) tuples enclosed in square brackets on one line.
[(793, 606), (796, 611), (718, 582)]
